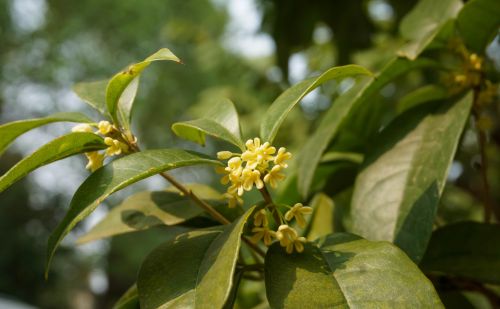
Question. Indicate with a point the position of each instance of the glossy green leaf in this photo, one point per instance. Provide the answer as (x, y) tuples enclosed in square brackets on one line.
[(421, 95), (336, 116), (55, 150), (424, 22), (194, 271), (280, 108), (478, 23), (220, 122), (150, 208), (467, 249), (10, 131), (121, 89), (129, 300), (322, 218), (398, 189), (115, 176), (346, 271), (94, 94)]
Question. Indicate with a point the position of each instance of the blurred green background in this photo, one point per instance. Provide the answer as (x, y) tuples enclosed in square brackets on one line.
[(245, 50)]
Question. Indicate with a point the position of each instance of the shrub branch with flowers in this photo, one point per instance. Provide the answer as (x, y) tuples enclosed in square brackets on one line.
[(381, 248)]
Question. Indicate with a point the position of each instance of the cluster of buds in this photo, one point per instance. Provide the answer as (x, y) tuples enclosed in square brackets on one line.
[(471, 71), (258, 164), (286, 235), (108, 131)]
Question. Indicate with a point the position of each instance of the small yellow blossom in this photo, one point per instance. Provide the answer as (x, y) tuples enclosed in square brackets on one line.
[(298, 211), (115, 146), (263, 233), (289, 239), (281, 157), (260, 218), (250, 177), (224, 155), (82, 127), (104, 127), (475, 62), (274, 176), (257, 155), (95, 160)]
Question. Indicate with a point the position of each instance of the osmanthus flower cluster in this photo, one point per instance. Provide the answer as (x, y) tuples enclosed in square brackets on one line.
[(286, 235), (109, 132), (258, 165)]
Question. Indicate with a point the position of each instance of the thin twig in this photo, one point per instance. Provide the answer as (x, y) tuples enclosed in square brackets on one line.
[(268, 199), (489, 205), (204, 205)]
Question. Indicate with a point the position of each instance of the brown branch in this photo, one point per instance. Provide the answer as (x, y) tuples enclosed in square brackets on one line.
[(268, 199), (489, 204)]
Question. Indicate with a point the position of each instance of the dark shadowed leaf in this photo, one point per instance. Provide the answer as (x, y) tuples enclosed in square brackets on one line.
[(193, 271), (421, 95), (116, 176), (10, 131), (360, 94), (280, 108), (346, 271), (60, 148), (467, 249), (129, 300), (478, 23), (398, 189)]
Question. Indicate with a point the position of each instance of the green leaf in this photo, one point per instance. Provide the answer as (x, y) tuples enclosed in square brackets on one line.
[(221, 122), (150, 208), (478, 23), (129, 300), (122, 87), (55, 150), (10, 131), (398, 189), (280, 108), (346, 271), (424, 94), (322, 217), (424, 22), (94, 94), (194, 271), (466, 249), (336, 116), (115, 176)]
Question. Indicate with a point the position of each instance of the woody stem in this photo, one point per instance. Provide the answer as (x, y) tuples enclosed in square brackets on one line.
[(268, 199)]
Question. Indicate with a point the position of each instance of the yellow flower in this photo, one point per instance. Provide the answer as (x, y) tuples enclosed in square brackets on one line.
[(82, 127), (260, 218), (104, 127), (257, 154), (289, 239), (298, 211), (95, 160), (281, 157), (475, 61), (224, 155), (249, 177), (263, 232), (274, 175), (233, 200), (115, 146)]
